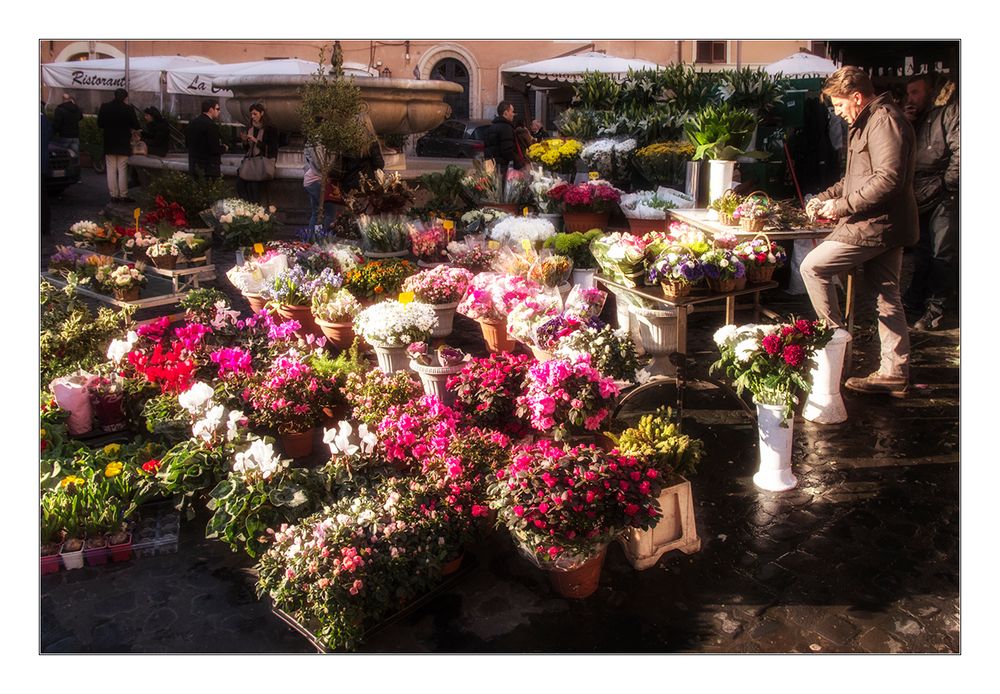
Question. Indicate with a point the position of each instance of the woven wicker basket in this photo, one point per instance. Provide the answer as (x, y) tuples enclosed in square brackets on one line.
[(757, 274), (754, 225)]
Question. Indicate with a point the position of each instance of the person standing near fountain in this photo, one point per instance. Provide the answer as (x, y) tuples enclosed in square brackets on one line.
[(204, 142), (500, 145), (260, 142), (117, 120), (366, 161)]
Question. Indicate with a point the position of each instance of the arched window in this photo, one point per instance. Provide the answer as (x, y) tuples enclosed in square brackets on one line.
[(452, 70)]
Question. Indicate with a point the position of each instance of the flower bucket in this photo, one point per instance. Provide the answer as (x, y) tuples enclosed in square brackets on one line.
[(581, 581), (657, 330), (72, 560), (129, 294), (584, 278), (496, 337), (584, 221), (775, 452), (339, 335), (435, 378), (165, 262), (445, 319), (122, 551), (256, 302), (302, 314), (375, 255), (110, 411), (297, 444), (638, 227), (721, 286), (720, 177), (824, 404), (391, 358)]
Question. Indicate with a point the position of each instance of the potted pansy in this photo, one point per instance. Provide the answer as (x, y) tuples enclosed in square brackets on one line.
[(489, 299), (435, 367), (442, 288), (761, 257), (163, 254), (334, 310), (609, 493), (676, 270), (722, 269), (586, 205), (391, 326), (124, 281)]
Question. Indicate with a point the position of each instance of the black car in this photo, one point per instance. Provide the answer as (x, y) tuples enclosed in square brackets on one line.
[(64, 168), (455, 138)]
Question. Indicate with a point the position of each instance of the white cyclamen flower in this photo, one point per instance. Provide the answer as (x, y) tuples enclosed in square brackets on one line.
[(119, 348), (206, 427), (197, 397), (232, 426), (339, 440), (259, 457)]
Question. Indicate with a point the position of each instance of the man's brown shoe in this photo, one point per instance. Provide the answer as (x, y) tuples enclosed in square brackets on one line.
[(876, 383)]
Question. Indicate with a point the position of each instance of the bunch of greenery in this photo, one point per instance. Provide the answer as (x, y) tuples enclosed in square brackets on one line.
[(753, 89), (575, 246), (658, 437), (446, 193), (721, 132), (193, 194), (70, 336)]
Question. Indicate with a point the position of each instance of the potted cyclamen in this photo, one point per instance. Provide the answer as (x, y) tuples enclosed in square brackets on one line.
[(611, 493), (334, 311), (722, 269), (442, 288), (164, 254), (436, 367), (587, 205), (761, 257), (489, 299), (125, 282), (289, 397), (391, 326), (772, 362)]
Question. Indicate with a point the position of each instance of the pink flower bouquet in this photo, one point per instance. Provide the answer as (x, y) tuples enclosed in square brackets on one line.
[(592, 196), (491, 296), (439, 285)]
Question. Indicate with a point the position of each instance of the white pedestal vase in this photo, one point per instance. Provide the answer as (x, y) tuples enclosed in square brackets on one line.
[(720, 178), (824, 404), (446, 319), (434, 379), (775, 449), (656, 332), (584, 278), (391, 358)]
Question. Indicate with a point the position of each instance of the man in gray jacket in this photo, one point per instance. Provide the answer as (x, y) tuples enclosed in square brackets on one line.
[(876, 215), (935, 182)]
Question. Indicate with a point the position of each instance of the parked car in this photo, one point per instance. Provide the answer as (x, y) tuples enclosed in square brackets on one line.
[(464, 138), (64, 168)]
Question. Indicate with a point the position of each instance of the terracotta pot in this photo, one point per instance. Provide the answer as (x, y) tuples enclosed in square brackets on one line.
[(580, 582), (496, 337), (256, 302), (297, 444), (638, 227), (302, 314), (452, 566), (339, 335), (165, 262), (130, 294), (110, 411), (584, 221)]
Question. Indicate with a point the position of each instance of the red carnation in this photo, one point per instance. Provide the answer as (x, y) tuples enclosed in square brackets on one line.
[(793, 355), (787, 330), (804, 326), (771, 344)]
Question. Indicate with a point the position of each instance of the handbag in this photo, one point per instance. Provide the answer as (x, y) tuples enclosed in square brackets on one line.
[(139, 148), (256, 167)]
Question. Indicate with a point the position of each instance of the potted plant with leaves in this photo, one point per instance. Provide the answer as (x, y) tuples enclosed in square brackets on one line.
[(124, 281), (575, 245), (52, 530), (384, 236), (239, 223), (664, 163), (71, 507), (725, 206), (722, 269), (334, 310), (435, 367), (611, 492), (391, 326), (107, 395), (556, 154), (720, 134), (586, 205), (761, 257), (773, 362), (441, 288), (677, 271), (489, 299), (292, 290)]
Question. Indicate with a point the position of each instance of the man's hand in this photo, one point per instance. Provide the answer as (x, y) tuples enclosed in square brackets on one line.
[(910, 112), (827, 210)]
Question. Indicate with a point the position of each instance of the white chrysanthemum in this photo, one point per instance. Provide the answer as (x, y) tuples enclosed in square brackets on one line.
[(516, 229), (745, 348), (197, 397), (724, 334)]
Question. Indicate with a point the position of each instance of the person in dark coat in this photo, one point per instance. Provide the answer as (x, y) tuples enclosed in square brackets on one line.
[(935, 266), (259, 140), (156, 134), (117, 120), (876, 213), (204, 142), (366, 162), (500, 145), (522, 140), (66, 124)]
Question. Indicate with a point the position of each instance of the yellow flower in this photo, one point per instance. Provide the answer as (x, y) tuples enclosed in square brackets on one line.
[(72, 479), (113, 469), (112, 450), (43, 433)]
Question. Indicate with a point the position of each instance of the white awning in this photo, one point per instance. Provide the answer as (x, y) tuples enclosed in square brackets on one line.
[(802, 64), (197, 80), (571, 68), (109, 73)]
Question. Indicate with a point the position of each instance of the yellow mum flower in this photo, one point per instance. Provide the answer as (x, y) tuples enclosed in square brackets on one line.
[(112, 450), (72, 479), (113, 469)]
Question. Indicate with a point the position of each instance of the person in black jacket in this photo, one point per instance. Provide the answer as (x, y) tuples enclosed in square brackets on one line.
[(366, 162), (156, 134), (500, 145), (204, 143), (117, 120), (259, 140), (66, 124)]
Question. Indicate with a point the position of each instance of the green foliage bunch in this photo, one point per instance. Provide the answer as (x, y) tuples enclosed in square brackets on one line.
[(658, 437), (193, 194), (575, 246)]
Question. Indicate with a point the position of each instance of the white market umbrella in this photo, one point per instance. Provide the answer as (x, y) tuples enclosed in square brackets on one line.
[(109, 73), (802, 64), (197, 81), (571, 68)]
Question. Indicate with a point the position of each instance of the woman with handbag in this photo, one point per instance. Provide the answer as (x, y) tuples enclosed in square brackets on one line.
[(260, 143), (156, 133)]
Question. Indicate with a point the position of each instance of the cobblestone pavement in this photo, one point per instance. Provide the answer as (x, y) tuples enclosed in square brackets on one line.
[(863, 556)]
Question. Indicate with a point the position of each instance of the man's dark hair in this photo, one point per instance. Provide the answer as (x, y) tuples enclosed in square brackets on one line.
[(503, 106), (120, 94), (208, 104), (927, 78)]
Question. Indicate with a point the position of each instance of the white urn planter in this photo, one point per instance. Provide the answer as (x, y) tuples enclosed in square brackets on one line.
[(584, 279), (824, 404), (435, 378), (656, 331), (775, 450), (445, 319), (391, 358), (720, 177)]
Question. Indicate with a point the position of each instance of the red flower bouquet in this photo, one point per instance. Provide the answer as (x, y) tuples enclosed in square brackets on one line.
[(592, 196)]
